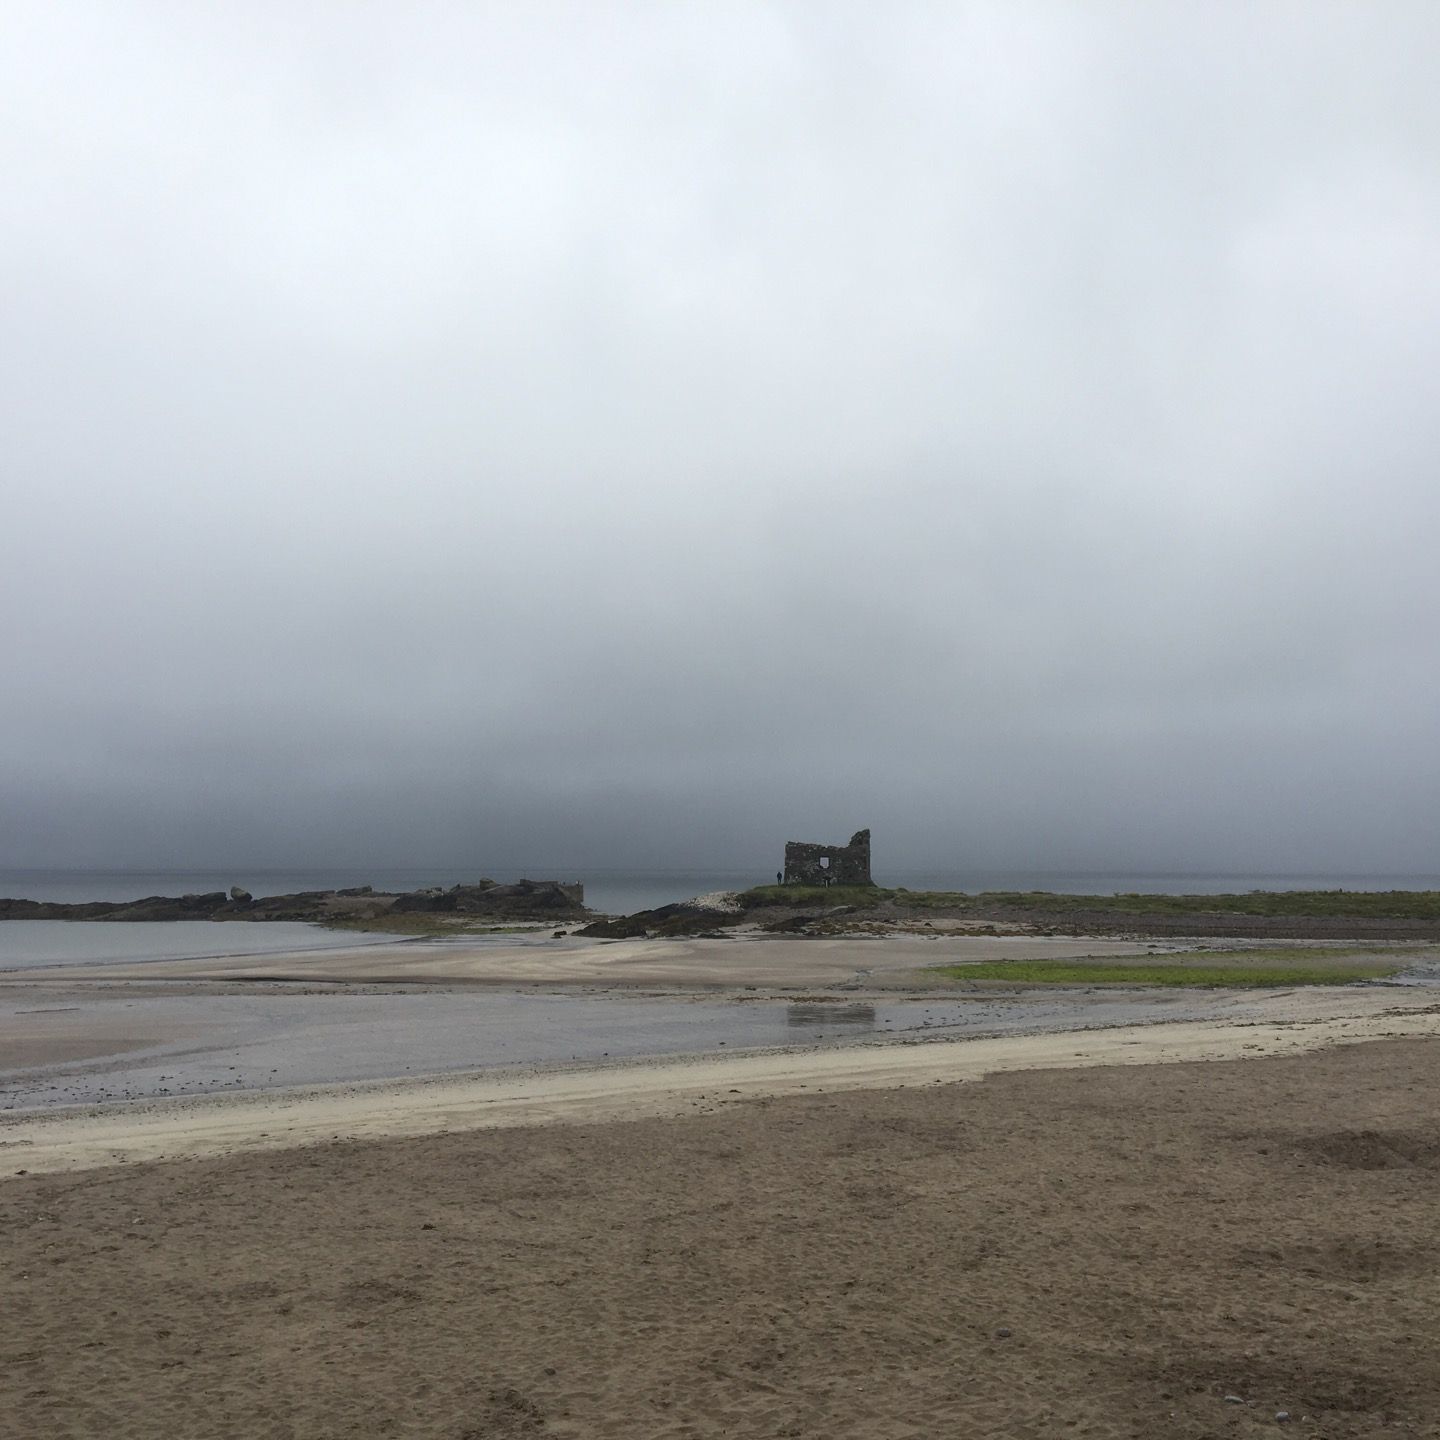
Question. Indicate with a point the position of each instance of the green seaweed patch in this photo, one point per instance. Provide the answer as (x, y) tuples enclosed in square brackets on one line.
[(422, 924), (1234, 969)]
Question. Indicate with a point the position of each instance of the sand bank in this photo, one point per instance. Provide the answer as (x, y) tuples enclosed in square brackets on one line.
[(738, 961)]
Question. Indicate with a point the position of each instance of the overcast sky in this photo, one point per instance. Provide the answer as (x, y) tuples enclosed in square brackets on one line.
[(637, 433)]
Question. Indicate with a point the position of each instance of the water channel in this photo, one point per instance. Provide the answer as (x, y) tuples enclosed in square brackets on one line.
[(129, 1045)]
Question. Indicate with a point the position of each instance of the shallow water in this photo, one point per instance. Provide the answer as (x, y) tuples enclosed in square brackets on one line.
[(224, 1042), (28, 944)]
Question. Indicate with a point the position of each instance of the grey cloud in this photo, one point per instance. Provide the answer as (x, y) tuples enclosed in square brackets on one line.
[(631, 433)]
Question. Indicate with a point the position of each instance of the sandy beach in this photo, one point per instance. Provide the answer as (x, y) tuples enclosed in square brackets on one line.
[(1219, 1212), (1113, 1251)]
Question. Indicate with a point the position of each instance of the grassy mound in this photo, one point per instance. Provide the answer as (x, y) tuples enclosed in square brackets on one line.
[(1351, 904), (795, 895), (1236, 968)]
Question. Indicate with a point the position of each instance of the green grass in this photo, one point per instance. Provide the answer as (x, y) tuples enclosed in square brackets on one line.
[(1351, 904), (763, 895), (1379, 905), (1200, 969)]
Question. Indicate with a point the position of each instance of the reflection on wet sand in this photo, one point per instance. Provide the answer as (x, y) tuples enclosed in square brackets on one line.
[(85, 1045), (808, 1015)]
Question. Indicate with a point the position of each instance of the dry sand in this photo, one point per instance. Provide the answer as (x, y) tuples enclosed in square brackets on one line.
[(1108, 1252)]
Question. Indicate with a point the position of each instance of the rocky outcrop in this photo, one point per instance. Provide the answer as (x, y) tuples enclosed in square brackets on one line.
[(153, 907), (686, 918), (524, 900), (54, 910)]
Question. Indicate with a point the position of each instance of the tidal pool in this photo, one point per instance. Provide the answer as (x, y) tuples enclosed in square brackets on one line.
[(94, 1049)]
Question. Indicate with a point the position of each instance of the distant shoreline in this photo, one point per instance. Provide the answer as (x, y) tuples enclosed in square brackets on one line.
[(1396, 915)]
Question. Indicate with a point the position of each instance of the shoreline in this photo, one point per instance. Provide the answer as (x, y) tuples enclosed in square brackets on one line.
[(799, 908), (45, 1141), (688, 963)]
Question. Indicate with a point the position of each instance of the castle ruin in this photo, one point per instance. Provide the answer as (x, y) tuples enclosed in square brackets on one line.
[(807, 864)]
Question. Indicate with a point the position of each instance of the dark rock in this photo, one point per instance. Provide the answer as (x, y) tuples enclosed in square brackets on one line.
[(623, 927), (170, 907), (664, 920), (551, 900), (423, 902), (55, 910), (524, 900), (790, 924), (700, 923)]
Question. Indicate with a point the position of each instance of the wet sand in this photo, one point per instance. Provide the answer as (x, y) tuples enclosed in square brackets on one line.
[(79, 1046), (540, 960), (1109, 1252), (71, 1137), (87, 1034)]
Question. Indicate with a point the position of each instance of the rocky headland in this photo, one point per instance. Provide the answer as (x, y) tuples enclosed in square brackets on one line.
[(539, 900)]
